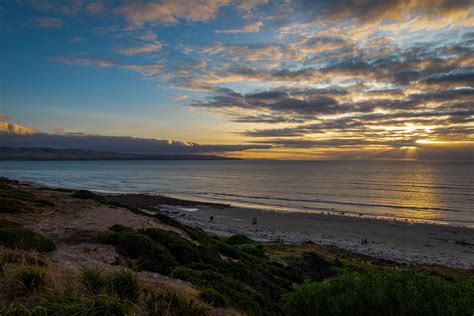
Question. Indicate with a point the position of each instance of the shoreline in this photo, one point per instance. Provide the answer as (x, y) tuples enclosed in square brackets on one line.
[(400, 241)]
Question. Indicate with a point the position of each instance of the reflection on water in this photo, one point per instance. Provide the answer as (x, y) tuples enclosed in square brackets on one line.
[(431, 191)]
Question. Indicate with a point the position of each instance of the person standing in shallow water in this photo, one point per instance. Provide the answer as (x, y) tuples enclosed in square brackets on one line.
[(254, 221)]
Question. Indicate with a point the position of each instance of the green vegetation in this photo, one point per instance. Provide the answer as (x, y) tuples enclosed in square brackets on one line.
[(173, 304), (252, 283), (84, 194), (93, 279), (381, 292), (214, 298), (146, 252), (236, 272), (125, 285), (31, 278), (240, 240), (66, 302), (21, 238), (10, 195), (11, 206)]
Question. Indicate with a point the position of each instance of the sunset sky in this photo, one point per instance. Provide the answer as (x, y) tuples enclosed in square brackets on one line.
[(291, 79)]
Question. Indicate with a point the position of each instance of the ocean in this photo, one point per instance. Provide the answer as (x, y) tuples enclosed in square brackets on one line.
[(438, 192)]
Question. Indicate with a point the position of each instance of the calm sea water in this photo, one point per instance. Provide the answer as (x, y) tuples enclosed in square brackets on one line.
[(441, 192)]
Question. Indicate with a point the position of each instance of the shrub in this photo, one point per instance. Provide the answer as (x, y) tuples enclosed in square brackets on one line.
[(214, 298), (183, 250), (149, 254), (173, 304), (15, 237), (125, 285), (256, 251), (84, 194), (11, 206), (240, 240), (32, 279), (375, 292), (93, 279), (237, 294)]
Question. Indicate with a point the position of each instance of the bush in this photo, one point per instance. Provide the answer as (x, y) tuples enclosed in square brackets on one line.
[(240, 240), (125, 285), (173, 304), (183, 250), (214, 298), (30, 278), (84, 194), (11, 206), (375, 292), (149, 254), (15, 237), (93, 280)]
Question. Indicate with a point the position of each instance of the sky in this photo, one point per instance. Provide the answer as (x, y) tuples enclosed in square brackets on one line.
[(290, 79)]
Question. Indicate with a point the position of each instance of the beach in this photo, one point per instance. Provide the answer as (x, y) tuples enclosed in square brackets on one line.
[(400, 241)]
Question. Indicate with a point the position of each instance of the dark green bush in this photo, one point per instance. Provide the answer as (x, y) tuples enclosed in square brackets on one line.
[(125, 285), (214, 298), (84, 194), (237, 294), (375, 292), (11, 206), (149, 254), (32, 279), (93, 279), (256, 251), (15, 237), (240, 240), (183, 250), (173, 304)]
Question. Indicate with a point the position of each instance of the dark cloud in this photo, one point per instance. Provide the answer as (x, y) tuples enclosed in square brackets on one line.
[(117, 144)]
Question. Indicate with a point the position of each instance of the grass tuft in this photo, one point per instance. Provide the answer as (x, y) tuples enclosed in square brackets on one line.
[(93, 279), (31, 278), (125, 285), (173, 304)]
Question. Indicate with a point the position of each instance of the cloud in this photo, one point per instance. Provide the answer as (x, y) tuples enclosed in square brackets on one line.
[(169, 12), (247, 5), (247, 28), (84, 61), (47, 22), (140, 49), (121, 144), (94, 7), (15, 129)]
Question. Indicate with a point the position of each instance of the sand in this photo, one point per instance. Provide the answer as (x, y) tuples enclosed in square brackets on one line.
[(398, 241)]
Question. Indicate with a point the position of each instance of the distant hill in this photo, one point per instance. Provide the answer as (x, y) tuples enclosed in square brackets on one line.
[(32, 153)]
